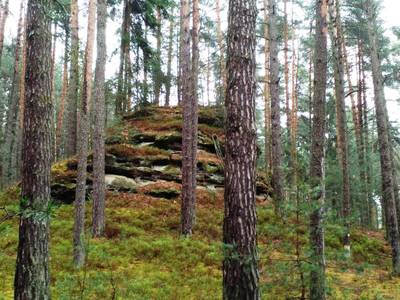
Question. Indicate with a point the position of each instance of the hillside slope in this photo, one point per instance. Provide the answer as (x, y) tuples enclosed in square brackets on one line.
[(142, 255)]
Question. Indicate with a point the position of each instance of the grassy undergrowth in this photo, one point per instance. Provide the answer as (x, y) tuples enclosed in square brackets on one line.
[(142, 256)]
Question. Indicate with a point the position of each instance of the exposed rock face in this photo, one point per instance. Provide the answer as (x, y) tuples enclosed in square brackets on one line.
[(145, 151)]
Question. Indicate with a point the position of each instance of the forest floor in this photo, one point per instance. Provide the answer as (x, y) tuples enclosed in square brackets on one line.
[(143, 257)]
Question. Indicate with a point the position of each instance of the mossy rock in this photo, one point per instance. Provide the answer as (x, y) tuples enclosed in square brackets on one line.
[(164, 193), (172, 141), (120, 183), (139, 138)]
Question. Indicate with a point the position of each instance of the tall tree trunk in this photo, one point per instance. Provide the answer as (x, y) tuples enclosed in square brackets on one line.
[(73, 88), (3, 20), (158, 72), (99, 123), (286, 65), (220, 42), (373, 212), (125, 42), (189, 131), (32, 278), (168, 83), (83, 133), (317, 172), (240, 266), (9, 153), (384, 141), (267, 98), (60, 116), (276, 163), (21, 103), (342, 146)]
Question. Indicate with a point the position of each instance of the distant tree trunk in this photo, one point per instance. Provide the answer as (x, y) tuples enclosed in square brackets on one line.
[(286, 66), (293, 120), (60, 116), (158, 72), (73, 88), (384, 141), (32, 280), (276, 163), (21, 100), (124, 52), (373, 214), (9, 154), (3, 20), (220, 42), (267, 98), (240, 266), (310, 84), (342, 146), (99, 123), (317, 173), (83, 133), (168, 83)]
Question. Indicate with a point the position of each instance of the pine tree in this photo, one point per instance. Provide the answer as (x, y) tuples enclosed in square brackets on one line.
[(83, 133), (240, 266), (383, 140), (73, 87), (32, 278), (99, 123), (277, 156), (317, 173)]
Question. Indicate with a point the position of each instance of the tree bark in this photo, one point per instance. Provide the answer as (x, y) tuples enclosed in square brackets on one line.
[(83, 133), (342, 146), (276, 163), (99, 123), (240, 266), (32, 278), (384, 141), (317, 172), (73, 88)]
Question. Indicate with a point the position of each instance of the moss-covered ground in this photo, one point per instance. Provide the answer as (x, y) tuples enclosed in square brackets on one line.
[(143, 257)]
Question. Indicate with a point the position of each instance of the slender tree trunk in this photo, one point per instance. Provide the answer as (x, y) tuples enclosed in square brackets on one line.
[(53, 88), (220, 42), (99, 123), (342, 146), (276, 163), (286, 66), (168, 83), (83, 133), (384, 141), (267, 98), (240, 266), (3, 20), (125, 41), (32, 278), (9, 154), (158, 72), (317, 173), (189, 135), (60, 116), (73, 88), (21, 103)]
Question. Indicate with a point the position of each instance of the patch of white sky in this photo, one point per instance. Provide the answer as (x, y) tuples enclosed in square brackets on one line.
[(389, 15)]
